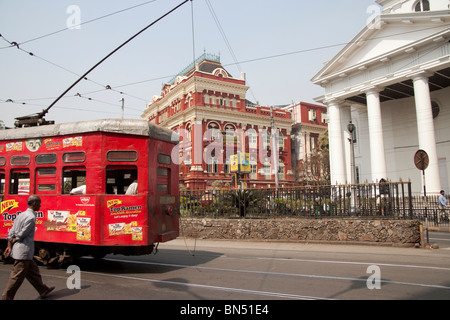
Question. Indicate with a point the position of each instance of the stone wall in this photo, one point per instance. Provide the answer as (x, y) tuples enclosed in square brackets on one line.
[(350, 231)]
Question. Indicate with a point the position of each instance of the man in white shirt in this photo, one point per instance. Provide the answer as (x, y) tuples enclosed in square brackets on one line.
[(132, 188), (442, 205), (21, 249), (79, 190)]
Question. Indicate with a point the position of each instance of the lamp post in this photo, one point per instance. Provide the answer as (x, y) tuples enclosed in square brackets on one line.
[(351, 128)]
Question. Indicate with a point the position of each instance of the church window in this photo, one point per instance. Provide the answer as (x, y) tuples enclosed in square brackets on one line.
[(436, 109), (422, 5)]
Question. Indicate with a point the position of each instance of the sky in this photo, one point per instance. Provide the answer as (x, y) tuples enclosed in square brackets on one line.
[(279, 45)]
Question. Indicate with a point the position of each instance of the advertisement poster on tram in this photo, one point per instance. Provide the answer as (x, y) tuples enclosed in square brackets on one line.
[(124, 219)]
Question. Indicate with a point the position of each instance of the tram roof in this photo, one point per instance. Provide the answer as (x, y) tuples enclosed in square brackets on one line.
[(127, 126)]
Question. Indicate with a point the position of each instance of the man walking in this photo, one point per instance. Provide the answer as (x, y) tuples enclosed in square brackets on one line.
[(442, 205), (21, 248)]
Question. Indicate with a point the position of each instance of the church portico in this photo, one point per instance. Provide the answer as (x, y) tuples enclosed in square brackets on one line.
[(398, 80)]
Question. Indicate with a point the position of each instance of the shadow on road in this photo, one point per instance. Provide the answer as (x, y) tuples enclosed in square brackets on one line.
[(150, 264)]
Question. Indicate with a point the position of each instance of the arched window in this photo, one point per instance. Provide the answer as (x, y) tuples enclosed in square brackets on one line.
[(188, 132), (216, 135), (422, 5), (435, 108)]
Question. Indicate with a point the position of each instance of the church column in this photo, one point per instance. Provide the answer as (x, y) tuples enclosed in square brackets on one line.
[(346, 117), (425, 130), (335, 132), (377, 152)]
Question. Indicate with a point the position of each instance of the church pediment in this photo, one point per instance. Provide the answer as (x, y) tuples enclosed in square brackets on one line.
[(383, 38)]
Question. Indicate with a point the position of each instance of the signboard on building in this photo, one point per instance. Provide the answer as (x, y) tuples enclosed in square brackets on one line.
[(240, 163)]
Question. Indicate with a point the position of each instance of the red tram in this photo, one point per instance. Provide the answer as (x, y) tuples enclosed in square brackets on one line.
[(103, 157)]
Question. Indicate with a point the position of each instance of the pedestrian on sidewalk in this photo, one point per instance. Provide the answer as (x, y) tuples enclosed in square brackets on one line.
[(442, 206), (21, 249)]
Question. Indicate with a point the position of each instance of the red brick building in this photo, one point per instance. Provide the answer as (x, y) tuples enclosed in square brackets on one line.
[(207, 106), (310, 121)]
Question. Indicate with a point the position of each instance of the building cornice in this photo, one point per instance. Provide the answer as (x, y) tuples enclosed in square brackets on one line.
[(192, 85), (434, 19), (204, 113)]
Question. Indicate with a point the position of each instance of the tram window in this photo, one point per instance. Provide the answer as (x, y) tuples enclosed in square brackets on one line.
[(19, 182), (164, 159), (163, 180), (118, 178), (74, 157), (2, 161), (2, 185), (46, 180), (162, 172), (73, 177), (47, 158), (46, 187), (122, 156), (20, 160), (161, 187), (46, 171)]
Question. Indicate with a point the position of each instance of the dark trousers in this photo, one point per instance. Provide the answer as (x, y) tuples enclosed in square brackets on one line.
[(23, 269)]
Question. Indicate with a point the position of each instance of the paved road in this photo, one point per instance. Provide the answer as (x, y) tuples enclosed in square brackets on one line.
[(231, 271), (440, 238)]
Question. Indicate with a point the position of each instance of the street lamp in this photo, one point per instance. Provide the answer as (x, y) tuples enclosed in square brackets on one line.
[(351, 128)]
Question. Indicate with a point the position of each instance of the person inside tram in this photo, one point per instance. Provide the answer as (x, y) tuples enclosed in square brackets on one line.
[(79, 190), (132, 188)]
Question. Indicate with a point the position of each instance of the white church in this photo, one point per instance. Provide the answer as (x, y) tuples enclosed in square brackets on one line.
[(392, 81)]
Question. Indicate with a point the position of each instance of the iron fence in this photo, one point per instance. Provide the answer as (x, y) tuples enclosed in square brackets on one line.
[(392, 200), (428, 211)]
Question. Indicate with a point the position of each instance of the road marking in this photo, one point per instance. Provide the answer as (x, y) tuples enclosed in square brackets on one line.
[(359, 263), (363, 279), (202, 286)]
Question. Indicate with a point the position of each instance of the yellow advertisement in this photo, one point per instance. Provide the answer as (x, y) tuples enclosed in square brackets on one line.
[(240, 163), (245, 162), (234, 163)]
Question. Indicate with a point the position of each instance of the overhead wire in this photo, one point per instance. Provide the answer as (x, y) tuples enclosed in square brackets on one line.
[(80, 24), (285, 54), (236, 62), (227, 43), (23, 103), (111, 53), (105, 87), (334, 45), (43, 112)]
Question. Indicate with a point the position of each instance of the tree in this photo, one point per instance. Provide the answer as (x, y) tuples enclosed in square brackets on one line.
[(315, 168)]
